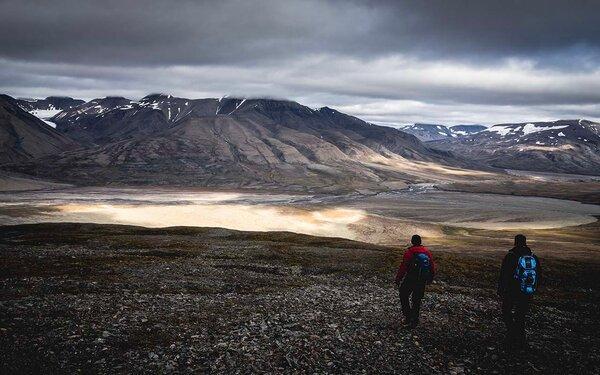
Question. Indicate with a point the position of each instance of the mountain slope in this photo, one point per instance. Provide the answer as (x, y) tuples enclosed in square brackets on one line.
[(568, 146), (24, 137), (234, 142), (44, 109), (104, 120)]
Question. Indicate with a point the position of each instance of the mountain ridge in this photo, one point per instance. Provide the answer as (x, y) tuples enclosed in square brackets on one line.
[(564, 146), (162, 139), (167, 140), (434, 132), (24, 137)]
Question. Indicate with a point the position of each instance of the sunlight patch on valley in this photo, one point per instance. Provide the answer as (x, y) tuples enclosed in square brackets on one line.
[(330, 222)]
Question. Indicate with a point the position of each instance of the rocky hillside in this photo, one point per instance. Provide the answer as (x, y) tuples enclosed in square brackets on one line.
[(24, 137), (110, 119), (229, 142), (432, 132), (85, 298), (568, 146)]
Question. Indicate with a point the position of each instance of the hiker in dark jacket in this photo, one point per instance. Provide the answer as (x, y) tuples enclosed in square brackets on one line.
[(417, 270), (514, 294)]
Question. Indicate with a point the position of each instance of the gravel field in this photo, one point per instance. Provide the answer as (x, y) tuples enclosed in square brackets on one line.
[(117, 299)]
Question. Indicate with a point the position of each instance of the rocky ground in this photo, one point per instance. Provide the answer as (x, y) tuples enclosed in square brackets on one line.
[(117, 299)]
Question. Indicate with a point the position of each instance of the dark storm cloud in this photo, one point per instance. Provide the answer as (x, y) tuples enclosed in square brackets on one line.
[(178, 32), (389, 61), (495, 28), (236, 32)]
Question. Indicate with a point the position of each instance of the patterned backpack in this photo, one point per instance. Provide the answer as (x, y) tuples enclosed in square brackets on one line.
[(526, 274)]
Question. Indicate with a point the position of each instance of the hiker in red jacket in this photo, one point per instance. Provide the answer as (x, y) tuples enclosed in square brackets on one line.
[(417, 270)]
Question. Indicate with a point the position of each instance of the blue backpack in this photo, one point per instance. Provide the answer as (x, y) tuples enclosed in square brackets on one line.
[(526, 274), (422, 267)]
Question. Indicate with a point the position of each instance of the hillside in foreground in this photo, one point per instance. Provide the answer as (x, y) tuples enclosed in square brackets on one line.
[(94, 298)]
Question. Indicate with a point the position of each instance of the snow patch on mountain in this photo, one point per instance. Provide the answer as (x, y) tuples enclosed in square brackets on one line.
[(531, 128), (50, 123), (433, 132), (526, 129), (44, 113)]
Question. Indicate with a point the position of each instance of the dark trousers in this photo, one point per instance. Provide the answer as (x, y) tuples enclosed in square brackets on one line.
[(411, 293), (514, 312)]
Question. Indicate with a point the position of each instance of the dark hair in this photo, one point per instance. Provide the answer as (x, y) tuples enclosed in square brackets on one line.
[(415, 240), (520, 240)]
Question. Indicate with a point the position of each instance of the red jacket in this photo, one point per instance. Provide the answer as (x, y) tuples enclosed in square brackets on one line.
[(407, 258)]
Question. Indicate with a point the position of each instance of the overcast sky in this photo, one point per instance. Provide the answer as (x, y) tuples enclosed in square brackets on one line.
[(391, 62)]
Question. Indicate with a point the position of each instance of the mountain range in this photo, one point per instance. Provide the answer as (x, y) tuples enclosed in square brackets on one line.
[(566, 146), (433, 132), (237, 142)]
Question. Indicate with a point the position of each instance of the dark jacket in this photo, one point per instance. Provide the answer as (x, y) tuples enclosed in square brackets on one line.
[(407, 259), (507, 285)]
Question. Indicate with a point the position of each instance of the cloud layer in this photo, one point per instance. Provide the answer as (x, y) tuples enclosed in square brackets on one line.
[(388, 62)]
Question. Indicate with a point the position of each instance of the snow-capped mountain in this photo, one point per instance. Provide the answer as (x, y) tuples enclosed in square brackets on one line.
[(434, 132), (462, 130), (571, 146), (44, 109), (94, 108), (109, 119), (427, 132), (172, 107), (162, 139), (24, 137), (545, 133)]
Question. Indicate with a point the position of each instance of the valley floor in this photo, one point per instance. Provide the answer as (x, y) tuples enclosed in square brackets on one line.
[(106, 299)]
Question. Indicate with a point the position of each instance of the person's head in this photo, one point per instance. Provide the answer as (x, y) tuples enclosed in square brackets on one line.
[(520, 240), (415, 240)]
